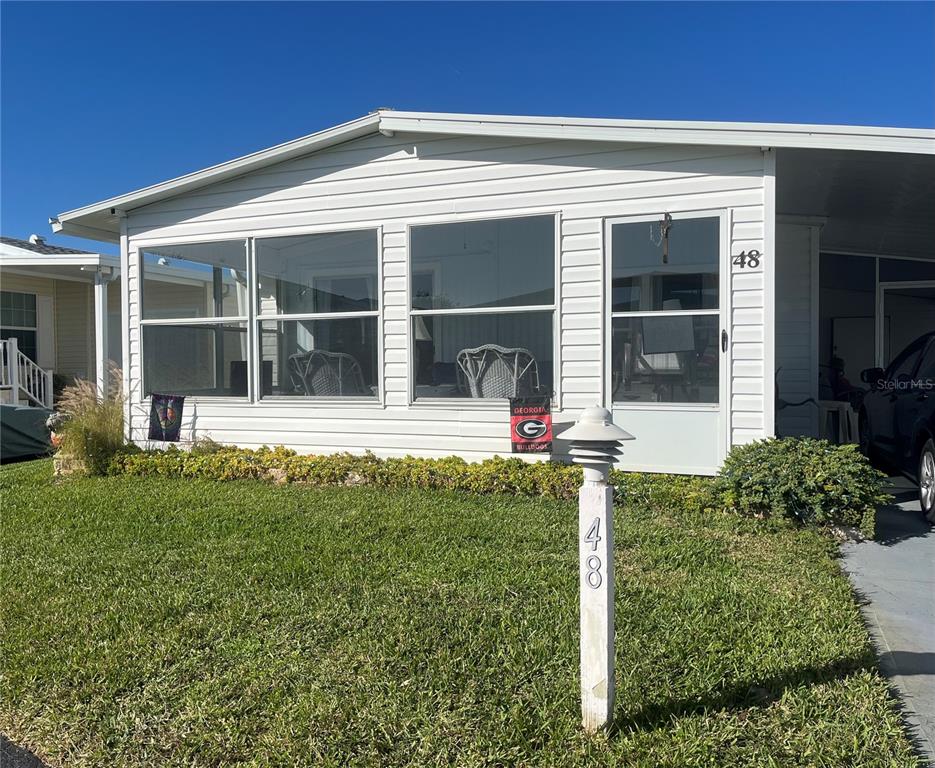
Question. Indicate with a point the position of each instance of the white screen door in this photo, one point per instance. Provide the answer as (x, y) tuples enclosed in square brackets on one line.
[(664, 365)]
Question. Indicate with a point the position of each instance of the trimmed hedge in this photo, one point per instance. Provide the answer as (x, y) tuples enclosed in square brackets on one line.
[(496, 475), (809, 481)]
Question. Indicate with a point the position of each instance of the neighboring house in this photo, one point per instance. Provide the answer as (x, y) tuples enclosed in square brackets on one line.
[(693, 277), (61, 309)]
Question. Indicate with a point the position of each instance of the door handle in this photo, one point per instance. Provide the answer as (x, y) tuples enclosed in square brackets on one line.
[(723, 341)]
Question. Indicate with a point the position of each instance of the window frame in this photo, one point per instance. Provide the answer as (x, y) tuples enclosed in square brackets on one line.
[(258, 318), (25, 328), (141, 248), (486, 402), (608, 315)]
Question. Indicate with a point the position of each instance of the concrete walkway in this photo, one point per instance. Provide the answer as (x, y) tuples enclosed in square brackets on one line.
[(895, 575), (12, 756)]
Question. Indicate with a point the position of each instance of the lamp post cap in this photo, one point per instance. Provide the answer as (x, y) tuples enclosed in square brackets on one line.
[(595, 425)]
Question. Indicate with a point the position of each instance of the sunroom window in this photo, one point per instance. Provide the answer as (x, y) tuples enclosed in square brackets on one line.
[(194, 319), (317, 300), (664, 310), (482, 308)]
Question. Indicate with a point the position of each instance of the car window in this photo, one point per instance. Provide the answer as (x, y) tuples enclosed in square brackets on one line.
[(905, 363), (926, 372)]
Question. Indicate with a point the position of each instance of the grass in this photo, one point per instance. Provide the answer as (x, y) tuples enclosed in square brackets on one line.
[(151, 622)]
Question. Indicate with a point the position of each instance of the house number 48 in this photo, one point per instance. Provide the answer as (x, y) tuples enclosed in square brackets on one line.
[(593, 563), (746, 259)]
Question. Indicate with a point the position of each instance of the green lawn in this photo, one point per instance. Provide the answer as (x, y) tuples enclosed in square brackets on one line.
[(155, 622)]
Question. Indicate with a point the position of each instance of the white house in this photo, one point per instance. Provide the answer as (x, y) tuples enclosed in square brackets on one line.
[(382, 285), (59, 314)]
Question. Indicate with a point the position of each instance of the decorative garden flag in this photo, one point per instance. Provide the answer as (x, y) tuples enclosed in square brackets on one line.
[(165, 417), (531, 424)]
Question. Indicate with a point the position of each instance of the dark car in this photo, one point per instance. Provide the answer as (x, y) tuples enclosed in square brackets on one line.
[(897, 417)]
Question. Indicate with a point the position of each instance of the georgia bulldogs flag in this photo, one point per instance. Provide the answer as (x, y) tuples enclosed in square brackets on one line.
[(531, 424)]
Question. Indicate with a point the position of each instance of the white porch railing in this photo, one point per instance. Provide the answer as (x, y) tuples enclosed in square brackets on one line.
[(21, 375)]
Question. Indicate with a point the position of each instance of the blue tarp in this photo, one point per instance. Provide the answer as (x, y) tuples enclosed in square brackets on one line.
[(23, 432)]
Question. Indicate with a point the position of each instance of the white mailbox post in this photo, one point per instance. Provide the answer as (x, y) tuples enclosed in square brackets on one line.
[(595, 444)]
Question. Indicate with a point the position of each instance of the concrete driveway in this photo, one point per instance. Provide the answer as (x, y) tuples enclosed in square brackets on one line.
[(895, 575)]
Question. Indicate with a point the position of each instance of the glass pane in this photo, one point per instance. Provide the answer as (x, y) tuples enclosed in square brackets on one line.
[(907, 313), (483, 356), (320, 358), (6, 316), (847, 323), (926, 373), (333, 272), (6, 300), (29, 302), (496, 263), (903, 366), (665, 359), (900, 270), (645, 278), (195, 359), (202, 280), (25, 341)]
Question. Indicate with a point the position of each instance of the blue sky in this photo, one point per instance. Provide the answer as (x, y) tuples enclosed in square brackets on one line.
[(102, 98)]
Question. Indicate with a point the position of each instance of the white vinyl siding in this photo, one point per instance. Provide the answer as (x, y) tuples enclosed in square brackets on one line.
[(392, 182), (74, 329), (747, 332)]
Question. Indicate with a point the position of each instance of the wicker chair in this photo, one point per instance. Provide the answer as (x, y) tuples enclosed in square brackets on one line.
[(326, 374), (492, 371)]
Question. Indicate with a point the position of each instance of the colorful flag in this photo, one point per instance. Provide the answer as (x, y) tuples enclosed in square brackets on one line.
[(165, 417), (531, 424)]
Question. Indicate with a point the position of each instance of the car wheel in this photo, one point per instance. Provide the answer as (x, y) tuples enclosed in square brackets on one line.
[(927, 480)]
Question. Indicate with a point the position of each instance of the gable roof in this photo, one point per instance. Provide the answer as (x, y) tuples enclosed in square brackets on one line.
[(101, 221), (41, 247)]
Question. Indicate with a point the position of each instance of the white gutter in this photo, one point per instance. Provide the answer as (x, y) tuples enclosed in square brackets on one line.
[(904, 140), (60, 260)]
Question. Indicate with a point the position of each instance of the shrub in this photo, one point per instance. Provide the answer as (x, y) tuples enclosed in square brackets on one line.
[(91, 430), (811, 481), (211, 461)]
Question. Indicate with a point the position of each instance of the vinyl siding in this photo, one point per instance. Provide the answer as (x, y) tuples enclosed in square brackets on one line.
[(747, 328), (394, 182), (74, 328)]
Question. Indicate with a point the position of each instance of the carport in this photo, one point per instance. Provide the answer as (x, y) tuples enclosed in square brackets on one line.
[(855, 277)]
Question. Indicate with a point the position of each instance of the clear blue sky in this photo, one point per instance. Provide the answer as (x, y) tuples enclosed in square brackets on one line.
[(102, 98)]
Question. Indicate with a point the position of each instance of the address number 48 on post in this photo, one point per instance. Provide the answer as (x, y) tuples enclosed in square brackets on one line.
[(593, 563)]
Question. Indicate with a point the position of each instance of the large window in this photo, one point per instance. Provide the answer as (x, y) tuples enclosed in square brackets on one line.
[(664, 306), (194, 319), (317, 301), (482, 308), (18, 320)]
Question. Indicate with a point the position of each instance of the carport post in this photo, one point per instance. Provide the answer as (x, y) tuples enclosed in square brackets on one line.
[(595, 443), (100, 332)]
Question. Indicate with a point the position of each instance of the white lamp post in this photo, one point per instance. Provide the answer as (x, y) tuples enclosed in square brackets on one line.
[(595, 444)]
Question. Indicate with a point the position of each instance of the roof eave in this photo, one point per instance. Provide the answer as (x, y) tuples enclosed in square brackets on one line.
[(32, 259), (778, 135), (100, 221), (70, 222)]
